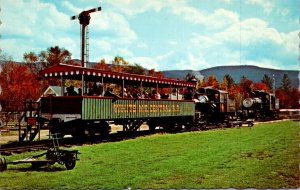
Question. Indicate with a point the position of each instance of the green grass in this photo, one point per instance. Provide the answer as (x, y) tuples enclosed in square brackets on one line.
[(266, 156)]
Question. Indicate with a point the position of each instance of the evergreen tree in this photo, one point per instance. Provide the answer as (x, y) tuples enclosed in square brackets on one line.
[(230, 81), (267, 81), (286, 84)]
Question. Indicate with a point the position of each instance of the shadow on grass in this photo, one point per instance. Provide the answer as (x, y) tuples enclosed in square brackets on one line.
[(39, 169)]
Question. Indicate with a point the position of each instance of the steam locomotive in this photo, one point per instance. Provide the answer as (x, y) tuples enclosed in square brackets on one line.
[(260, 105)]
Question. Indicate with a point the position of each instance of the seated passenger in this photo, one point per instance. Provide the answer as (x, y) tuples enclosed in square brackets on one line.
[(71, 91), (174, 94), (188, 95), (136, 94), (123, 94), (109, 93), (145, 95), (164, 95), (155, 95), (79, 92)]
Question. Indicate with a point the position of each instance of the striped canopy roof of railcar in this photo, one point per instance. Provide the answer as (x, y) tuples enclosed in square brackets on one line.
[(90, 74)]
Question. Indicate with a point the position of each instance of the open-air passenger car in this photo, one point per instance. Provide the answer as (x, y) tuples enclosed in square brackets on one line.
[(87, 113)]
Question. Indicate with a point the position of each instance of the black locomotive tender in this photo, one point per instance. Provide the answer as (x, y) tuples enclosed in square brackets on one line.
[(91, 110)]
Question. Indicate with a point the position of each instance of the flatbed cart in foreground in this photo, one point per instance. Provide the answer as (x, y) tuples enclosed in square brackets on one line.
[(53, 155)]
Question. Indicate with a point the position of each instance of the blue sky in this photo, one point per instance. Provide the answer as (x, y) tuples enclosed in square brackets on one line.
[(160, 34)]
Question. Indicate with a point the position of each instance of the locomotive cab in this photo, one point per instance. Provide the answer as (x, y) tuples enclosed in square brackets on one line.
[(214, 105)]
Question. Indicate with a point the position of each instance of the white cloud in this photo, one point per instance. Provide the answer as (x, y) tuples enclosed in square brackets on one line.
[(133, 7), (146, 62), (192, 62), (165, 57), (291, 41), (220, 18), (114, 25), (142, 45), (265, 4), (224, 47), (266, 63), (36, 25), (71, 7), (173, 43)]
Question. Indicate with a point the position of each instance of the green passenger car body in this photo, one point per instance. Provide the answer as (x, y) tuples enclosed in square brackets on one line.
[(102, 108)]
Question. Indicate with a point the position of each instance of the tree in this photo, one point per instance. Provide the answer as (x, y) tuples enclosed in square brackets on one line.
[(31, 60), (55, 55), (286, 84), (52, 56), (102, 65), (268, 81), (17, 84), (295, 98), (119, 64), (153, 73), (212, 81), (246, 86), (261, 86), (235, 93), (288, 100), (230, 81), (135, 69), (224, 85)]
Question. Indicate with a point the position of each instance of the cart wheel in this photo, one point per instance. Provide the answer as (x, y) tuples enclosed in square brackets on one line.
[(70, 164), (3, 165)]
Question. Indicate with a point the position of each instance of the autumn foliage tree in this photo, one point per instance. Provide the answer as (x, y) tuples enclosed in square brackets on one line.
[(135, 69), (54, 55), (119, 64), (51, 57), (102, 65), (261, 86), (17, 84), (288, 97), (154, 73), (211, 81)]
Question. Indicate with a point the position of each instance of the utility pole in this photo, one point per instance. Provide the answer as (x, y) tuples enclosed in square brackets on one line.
[(84, 20), (274, 84)]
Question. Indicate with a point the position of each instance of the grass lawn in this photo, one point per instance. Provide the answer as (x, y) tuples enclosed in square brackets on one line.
[(266, 156)]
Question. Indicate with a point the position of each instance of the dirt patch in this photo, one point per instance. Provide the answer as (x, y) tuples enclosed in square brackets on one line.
[(13, 136), (258, 155)]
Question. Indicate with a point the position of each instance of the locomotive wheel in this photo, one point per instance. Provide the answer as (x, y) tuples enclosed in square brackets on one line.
[(151, 125), (70, 164), (178, 127), (104, 128), (78, 133)]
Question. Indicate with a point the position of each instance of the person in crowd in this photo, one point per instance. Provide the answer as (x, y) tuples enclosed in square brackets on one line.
[(71, 91), (123, 94), (109, 93), (188, 95), (136, 93), (155, 95)]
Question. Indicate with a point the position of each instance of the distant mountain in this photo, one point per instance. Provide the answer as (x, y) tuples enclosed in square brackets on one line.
[(253, 73)]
